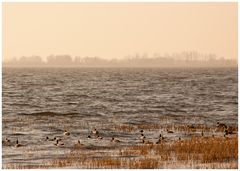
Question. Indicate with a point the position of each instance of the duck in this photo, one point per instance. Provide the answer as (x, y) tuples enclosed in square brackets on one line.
[(89, 137), (141, 131), (6, 141), (48, 139), (94, 131), (115, 140), (58, 144), (142, 137), (169, 131), (59, 139), (161, 137), (229, 130), (17, 144), (66, 133), (99, 138), (78, 144), (146, 142), (221, 125), (159, 141), (202, 133)]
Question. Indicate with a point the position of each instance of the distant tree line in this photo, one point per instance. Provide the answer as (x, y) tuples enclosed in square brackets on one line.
[(184, 59)]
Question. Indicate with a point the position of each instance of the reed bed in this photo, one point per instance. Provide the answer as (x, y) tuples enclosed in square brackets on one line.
[(179, 128), (196, 152)]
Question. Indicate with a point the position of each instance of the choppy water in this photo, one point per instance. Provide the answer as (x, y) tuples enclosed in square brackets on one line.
[(43, 102)]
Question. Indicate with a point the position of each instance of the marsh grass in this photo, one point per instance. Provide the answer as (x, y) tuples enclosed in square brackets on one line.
[(197, 152), (176, 128), (194, 152)]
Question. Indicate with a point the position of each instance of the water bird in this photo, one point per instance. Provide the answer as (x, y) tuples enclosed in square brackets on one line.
[(78, 143), (142, 137), (221, 125), (161, 137), (226, 132), (159, 141), (58, 144), (7, 140), (17, 144), (202, 133), (48, 139), (169, 131), (66, 133), (95, 131), (146, 142), (59, 139), (89, 137), (115, 140), (229, 130), (99, 138), (141, 131)]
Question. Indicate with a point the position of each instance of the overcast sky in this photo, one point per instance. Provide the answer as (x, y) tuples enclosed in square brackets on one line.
[(114, 30)]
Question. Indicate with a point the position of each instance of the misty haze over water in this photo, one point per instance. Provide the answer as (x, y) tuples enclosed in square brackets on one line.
[(184, 59)]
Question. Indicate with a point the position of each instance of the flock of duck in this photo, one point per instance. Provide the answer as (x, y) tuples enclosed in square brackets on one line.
[(95, 134)]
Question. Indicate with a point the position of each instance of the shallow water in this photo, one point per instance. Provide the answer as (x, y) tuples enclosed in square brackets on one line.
[(43, 102)]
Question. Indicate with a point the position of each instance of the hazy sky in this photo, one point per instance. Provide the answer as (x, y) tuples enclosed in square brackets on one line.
[(114, 30)]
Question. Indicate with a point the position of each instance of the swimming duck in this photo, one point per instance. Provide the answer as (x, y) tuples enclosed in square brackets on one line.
[(141, 131), (48, 139), (229, 130), (94, 131), (66, 133), (89, 137), (99, 138), (159, 141), (78, 144), (58, 144), (115, 140), (17, 144), (161, 137), (6, 141), (142, 137), (146, 142), (221, 125)]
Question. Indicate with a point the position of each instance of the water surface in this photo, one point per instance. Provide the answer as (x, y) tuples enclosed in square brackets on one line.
[(40, 102)]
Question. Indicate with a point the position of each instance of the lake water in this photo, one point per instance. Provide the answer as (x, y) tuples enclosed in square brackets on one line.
[(40, 102)]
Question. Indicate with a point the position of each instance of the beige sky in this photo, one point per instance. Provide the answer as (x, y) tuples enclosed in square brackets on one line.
[(114, 30)]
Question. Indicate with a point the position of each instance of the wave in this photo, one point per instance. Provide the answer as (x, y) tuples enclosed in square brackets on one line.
[(50, 114)]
